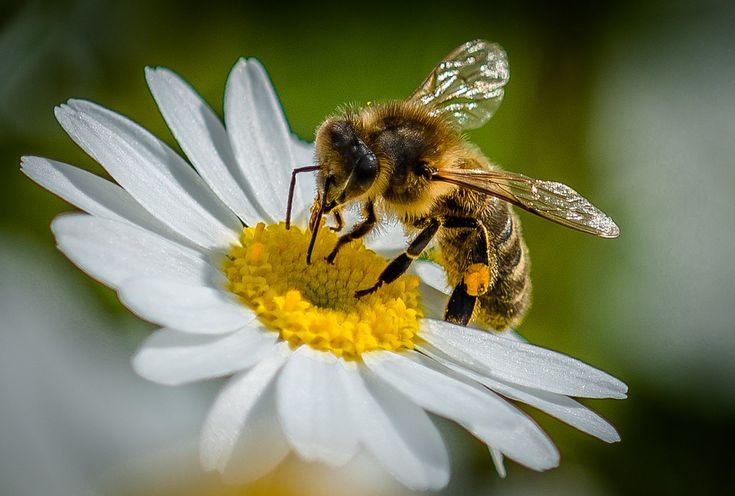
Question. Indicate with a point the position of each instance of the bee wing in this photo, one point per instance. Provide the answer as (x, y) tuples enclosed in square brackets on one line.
[(551, 200), (467, 86)]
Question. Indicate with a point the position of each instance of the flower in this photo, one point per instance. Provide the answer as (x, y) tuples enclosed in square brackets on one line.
[(199, 251)]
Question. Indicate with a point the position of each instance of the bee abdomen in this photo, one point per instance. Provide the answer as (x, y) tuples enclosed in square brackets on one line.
[(506, 302)]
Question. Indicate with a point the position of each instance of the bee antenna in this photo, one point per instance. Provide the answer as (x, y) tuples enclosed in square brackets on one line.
[(317, 223), (291, 190)]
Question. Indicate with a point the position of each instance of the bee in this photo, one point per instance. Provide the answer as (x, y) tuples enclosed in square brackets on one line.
[(408, 160)]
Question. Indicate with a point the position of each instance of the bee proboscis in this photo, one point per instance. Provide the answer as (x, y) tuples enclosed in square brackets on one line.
[(408, 160)]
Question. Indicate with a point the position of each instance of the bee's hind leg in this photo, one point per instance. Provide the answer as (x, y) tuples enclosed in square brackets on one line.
[(460, 307), (476, 279)]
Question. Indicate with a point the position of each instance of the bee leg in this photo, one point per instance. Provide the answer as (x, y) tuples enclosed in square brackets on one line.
[(400, 264), (357, 232), (460, 307), (476, 279), (338, 219)]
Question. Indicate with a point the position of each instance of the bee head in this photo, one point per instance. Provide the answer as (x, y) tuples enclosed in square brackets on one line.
[(345, 161)]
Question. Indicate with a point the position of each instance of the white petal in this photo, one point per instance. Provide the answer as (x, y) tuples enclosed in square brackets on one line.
[(433, 301), (432, 274), (480, 411), (389, 239), (260, 137), (203, 138), (399, 434), (174, 357), (497, 458), (511, 334), (303, 156), (112, 252), (94, 195), (151, 172), (557, 405), (301, 217), (242, 422), (302, 152), (521, 363), (314, 409), (261, 447), (187, 308)]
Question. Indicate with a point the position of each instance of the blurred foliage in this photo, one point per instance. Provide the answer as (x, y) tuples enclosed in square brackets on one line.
[(321, 56)]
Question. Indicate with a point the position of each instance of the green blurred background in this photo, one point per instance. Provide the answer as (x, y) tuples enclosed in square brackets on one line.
[(632, 104)]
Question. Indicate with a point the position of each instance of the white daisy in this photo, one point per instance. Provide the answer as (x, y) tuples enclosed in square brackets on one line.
[(313, 369)]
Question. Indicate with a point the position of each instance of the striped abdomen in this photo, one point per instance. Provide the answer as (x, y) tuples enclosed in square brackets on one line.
[(506, 302), (508, 297)]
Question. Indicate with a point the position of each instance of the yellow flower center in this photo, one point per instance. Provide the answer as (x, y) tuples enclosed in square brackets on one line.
[(315, 304)]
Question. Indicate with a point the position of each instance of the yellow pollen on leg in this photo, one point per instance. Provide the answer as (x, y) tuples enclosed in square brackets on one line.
[(315, 304), (477, 279)]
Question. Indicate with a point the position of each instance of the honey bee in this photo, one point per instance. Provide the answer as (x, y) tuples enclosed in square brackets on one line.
[(408, 160)]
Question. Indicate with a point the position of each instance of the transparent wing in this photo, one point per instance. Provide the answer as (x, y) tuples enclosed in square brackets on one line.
[(467, 85), (551, 200)]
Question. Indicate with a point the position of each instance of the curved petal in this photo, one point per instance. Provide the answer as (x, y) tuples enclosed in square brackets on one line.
[(556, 405), (301, 217), (388, 240), (113, 252), (511, 334), (187, 308), (303, 155), (203, 138), (261, 446), (497, 458), (398, 434), (480, 411), (260, 137), (313, 407), (94, 195), (151, 172), (173, 357), (241, 435), (433, 301), (559, 406), (432, 274), (521, 363)]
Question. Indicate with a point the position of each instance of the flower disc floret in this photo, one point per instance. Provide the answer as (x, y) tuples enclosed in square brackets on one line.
[(314, 304)]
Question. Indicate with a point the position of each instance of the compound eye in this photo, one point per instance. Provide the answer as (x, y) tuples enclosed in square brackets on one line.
[(364, 171), (366, 168)]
